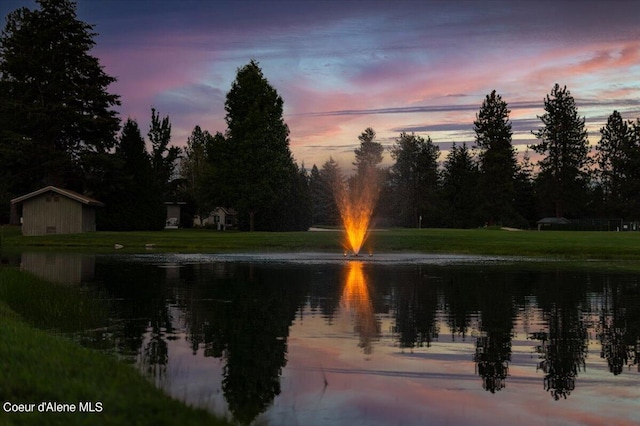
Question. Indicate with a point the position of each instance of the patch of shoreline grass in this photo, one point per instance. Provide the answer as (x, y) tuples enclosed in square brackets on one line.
[(554, 244), (37, 366)]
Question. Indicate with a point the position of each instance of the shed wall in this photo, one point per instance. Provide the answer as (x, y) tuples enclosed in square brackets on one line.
[(51, 213), (88, 218)]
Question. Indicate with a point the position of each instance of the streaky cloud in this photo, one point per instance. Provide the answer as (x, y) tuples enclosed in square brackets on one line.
[(529, 104)]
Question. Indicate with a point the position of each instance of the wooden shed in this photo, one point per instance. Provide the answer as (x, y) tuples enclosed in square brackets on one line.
[(53, 210)]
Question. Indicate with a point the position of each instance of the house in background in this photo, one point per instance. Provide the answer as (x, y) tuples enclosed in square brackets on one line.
[(53, 210), (221, 218)]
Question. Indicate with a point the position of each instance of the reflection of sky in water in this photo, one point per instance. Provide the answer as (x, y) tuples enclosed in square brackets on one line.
[(348, 320), (436, 385), (332, 378)]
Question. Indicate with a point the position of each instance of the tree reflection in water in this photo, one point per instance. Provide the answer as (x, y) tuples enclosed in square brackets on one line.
[(416, 312), (493, 346), (617, 328), (244, 319), (241, 314), (563, 348)]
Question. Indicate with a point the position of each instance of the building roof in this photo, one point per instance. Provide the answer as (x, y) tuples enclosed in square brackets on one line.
[(227, 211), (553, 221), (64, 192)]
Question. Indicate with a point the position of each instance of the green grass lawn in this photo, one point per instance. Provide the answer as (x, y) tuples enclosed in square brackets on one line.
[(556, 244)]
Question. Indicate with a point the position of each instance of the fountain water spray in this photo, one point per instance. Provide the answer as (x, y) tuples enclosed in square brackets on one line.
[(356, 202)]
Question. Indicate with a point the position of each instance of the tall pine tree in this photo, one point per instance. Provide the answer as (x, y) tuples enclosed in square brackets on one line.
[(259, 164), (618, 158), (459, 188), (415, 179), (134, 201), (56, 113), (562, 180), (163, 157), (497, 160)]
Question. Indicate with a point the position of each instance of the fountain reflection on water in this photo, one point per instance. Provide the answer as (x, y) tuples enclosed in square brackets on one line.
[(357, 300)]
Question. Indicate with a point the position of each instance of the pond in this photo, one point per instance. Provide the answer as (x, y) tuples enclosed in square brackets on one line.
[(318, 339)]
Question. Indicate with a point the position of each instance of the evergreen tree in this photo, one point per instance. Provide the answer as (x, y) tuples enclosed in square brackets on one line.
[(135, 200), (56, 113), (459, 188), (563, 143), (259, 162), (195, 170), (331, 179), (163, 157), (294, 212), (618, 156), (315, 188), (414, 178), (369, 153), (497, 160), (631, 191), (524, 197)]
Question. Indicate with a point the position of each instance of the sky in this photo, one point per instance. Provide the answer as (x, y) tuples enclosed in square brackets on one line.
[(344, 65)]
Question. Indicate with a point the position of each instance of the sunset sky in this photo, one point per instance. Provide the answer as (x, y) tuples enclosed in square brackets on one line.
[(342, 66)]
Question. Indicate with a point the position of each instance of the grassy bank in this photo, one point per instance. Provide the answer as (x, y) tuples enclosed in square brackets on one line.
[(37, 366), (564, 244)]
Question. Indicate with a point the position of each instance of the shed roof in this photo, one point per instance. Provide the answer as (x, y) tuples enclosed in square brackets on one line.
[(64, 192)]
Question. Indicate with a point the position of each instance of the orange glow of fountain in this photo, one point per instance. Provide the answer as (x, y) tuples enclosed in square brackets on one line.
[(357, 300), (356, 206)]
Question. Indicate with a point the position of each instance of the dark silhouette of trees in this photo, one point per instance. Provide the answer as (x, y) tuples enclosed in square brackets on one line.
[(133, 199), (416, 313), (369, 153), (58, 126), (259, 165), (324, 183), (613, 331), (460, 302), (294, 211), (619, 324), (316, 190), (497, 160), (618, 159), (163, 157), (524, 201), (563, 348), (248, 331), (459, 188), (493, 346), (198, 169), (415, 179), (563, 174), (57, 121)]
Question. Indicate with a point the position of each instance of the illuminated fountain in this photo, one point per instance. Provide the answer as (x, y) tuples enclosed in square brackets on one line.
[(356, 204)]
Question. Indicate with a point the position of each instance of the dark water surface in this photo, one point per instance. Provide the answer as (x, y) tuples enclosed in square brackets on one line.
[(311, 339)]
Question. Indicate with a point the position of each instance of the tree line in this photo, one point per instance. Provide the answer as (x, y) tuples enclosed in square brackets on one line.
[(58, 126), (481, 307), (485, 184)]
